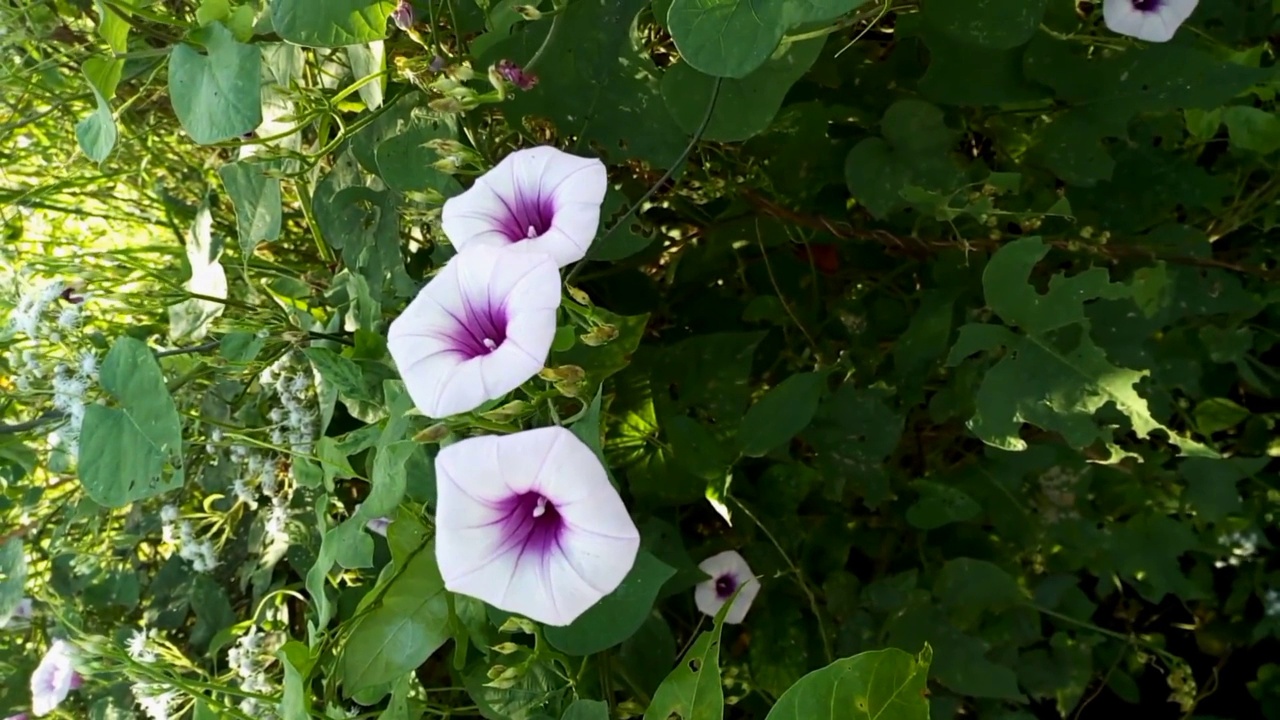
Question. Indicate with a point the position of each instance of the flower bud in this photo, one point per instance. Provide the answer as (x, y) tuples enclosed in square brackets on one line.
[(505, 648), (578, 296), (461, 73), (516, 624), (515, 75), (564, 373), (402, 16), (600, 335), (435, 433), (446, 105), (529, 12), (508, 412)]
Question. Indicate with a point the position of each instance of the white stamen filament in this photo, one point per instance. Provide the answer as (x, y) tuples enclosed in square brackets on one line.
[(540, 508), (532, 232), (489, 343)]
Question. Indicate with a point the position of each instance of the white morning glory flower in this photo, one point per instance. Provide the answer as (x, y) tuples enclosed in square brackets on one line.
[(529, 523), (480, 328), (54, 678), (542, 199), (1151, 20), (728, 572)]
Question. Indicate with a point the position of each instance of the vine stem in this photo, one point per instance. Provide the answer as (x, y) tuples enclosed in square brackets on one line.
[(546, 41), (670, 173), (813, 599)]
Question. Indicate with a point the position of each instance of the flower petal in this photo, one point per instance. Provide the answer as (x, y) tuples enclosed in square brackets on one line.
[(1157, 24), (529, 523), (541, 199), (732, 565), (450, 343)]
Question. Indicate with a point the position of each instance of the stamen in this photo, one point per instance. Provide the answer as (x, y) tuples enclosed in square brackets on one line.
[(489, 343), (531, 233), (540, 508)]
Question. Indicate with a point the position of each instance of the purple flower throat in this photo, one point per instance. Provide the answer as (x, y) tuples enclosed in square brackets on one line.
[(531, 523), (725, 585), (482, 330), (1147, 5), (528, 218)]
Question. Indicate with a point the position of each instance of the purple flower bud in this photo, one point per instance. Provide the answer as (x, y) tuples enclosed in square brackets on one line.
[(437, 64), (402, 16), (515, 75)]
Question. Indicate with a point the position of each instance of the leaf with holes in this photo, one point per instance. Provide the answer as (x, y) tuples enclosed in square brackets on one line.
[(693, 691)]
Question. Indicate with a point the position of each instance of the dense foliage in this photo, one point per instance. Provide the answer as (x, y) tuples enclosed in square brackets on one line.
[(956, 320)]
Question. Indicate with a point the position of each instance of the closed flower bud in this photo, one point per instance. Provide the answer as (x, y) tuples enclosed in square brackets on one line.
[(497, 671), (461, 73), (529, 12), (402, 16), (516, 624), (446, 105), (564, 373), (508, 412), (600, 335), (578, 296), (435, 433)]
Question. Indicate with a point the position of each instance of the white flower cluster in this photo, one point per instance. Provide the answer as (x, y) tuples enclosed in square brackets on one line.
[(1242, 546), (262, 471), (29, 313), (181, 534), (75, 373), (295, 419), (249, 658), (140, 646), (155, 699)]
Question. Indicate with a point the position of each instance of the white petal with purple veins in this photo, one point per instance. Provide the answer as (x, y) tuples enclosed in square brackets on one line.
[(728, 571), (541, 199), (477, 331), (529, 523), (1151, 20)]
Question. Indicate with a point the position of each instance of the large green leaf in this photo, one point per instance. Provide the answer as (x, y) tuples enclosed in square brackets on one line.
[(997, 24), (133, 450), (878, 685), (587, 710), (332, 23), (727, 38), (256, 198), (401, 632), (914, 152), (745, 107), (1052, 374), (597, 82), (693, 690), (216, 94), (781, 414), (13, 577), (97, 133), (618, 615)]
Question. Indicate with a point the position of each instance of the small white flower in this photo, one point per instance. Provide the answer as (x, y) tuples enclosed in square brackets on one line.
[(1271, 602), (168, 513), (139, 648), (88, 364), (69, 317), (244, 493), (728, 571), (156, 700), (1150, 20)]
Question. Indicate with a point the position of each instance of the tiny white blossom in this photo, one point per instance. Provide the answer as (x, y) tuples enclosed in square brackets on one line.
[(168, 513), (139, 648), (88, 364), (69, 317), (1271, 602)]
